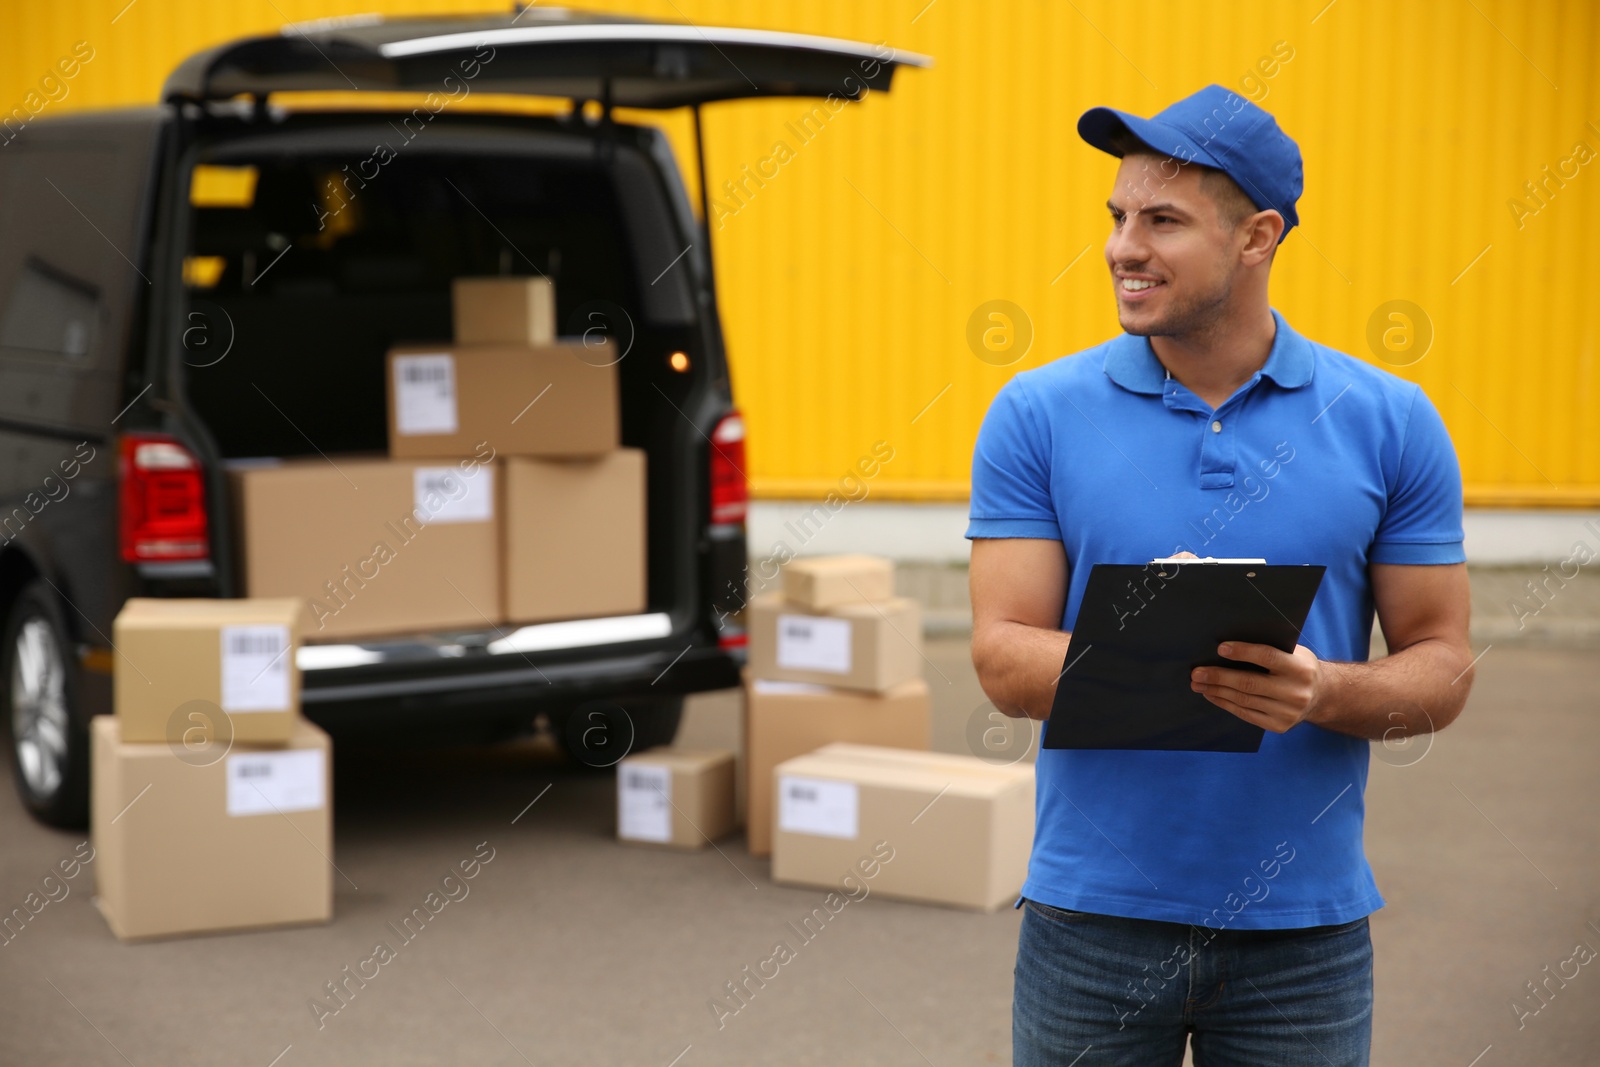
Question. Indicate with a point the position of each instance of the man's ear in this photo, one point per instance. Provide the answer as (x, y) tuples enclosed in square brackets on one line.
[(1262, 231)]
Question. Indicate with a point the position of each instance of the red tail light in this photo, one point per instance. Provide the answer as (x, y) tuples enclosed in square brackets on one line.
[(730, 494), (163, 502)]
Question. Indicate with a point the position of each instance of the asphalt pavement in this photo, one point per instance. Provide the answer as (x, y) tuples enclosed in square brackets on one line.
[(570, 948)]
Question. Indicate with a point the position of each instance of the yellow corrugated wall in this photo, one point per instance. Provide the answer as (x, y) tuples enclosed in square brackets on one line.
[(847, 280)]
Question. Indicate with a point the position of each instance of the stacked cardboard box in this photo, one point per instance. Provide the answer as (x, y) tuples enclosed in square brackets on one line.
[(574, 536), (572, 499), (945, 829), (210, 795), (834, 656), (505, 381), (505, 495), (373, 546), (836, 622)]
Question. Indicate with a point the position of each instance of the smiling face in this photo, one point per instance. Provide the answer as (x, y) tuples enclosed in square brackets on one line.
[(1175, 244)]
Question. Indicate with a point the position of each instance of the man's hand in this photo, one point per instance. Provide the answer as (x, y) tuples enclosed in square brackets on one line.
[(1278, 700)]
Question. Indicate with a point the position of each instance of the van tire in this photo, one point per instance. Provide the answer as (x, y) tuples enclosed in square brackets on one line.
[(655, 722), (600, 733), (48, 746)]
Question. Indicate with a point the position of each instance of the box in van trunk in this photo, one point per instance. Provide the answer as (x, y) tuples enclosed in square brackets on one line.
[(523, 400), (178, 661), (499, 310), (375, 546), (574, 536)]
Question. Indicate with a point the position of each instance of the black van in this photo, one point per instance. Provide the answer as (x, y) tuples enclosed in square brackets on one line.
[(146, 340)]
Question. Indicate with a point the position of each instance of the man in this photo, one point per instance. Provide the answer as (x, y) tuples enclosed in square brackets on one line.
[(1222, 895)]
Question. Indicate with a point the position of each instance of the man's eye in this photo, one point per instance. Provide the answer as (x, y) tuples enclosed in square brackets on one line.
[(1165, 218)]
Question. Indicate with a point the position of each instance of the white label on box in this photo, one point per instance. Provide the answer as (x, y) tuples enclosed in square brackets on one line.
[(814, 643), (818, 806), (264, 783), (780, 688), (255, 668), (644, 802), (447, 494), (425, 394)]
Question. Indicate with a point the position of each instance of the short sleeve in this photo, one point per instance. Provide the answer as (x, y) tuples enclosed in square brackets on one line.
[(1011, 472), (1422, 523)]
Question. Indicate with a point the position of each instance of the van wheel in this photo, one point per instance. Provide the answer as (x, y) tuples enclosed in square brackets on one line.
[(600, 733), (655, 722), (49, 748)]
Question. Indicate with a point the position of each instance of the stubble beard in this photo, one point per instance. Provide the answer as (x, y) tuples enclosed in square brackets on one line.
[(1195, 317)]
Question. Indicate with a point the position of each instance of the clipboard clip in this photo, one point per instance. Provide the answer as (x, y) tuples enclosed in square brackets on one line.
[(1164, 561)]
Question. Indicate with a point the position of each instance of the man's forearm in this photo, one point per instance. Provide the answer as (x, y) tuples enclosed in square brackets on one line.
[(1018, 666), (1417, 690)]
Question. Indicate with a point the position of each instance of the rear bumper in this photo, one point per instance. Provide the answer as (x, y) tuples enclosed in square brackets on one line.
[(536, 668)]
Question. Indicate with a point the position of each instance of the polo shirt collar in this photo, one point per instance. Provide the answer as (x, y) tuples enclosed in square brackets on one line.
[(1132, 363)]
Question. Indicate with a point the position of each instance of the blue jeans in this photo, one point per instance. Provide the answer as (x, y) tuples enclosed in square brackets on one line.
[(1101, 990)]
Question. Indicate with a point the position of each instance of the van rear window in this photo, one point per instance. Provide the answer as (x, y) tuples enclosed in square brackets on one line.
[(336, 259)]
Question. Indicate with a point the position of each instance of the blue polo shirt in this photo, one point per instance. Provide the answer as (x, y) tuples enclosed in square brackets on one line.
[(1319, 458)]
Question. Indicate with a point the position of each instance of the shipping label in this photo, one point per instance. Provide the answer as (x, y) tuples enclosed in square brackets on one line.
[(814, 643), (266, 783), (818, 806), (255, 668), (448, 494), (425, 394), (644, 802)]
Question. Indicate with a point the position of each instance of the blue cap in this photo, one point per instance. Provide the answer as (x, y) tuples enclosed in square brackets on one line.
[(1216, 128)]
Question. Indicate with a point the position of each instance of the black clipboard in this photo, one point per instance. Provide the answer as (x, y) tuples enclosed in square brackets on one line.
[(1141, 630)]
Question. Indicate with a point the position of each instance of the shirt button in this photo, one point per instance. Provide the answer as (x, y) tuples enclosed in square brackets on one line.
[(1216, 427)]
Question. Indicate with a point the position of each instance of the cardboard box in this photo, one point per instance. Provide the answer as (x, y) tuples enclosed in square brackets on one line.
[(871, 646), (374, 546), (510, 400), (491, 311), (574, 536), (787, 719), (185, 846), (818, 583), (178, 662), (677, 797), (960, 828)]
